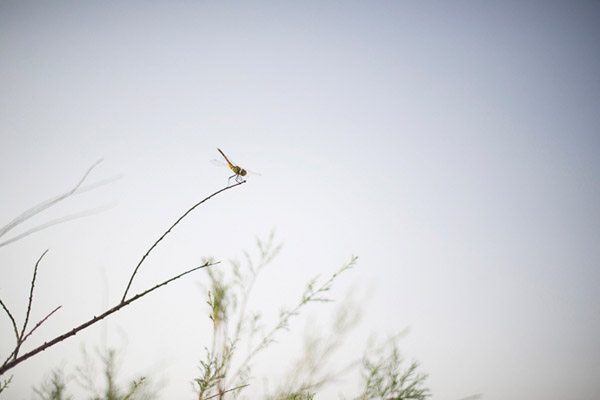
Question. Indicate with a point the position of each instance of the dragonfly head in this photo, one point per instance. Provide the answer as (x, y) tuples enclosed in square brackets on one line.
[(242, 172)]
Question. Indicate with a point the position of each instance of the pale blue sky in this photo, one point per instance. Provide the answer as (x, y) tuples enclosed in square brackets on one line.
[(453, 146)]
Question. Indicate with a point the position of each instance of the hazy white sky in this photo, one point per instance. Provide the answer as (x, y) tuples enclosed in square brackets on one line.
[(453, 146)]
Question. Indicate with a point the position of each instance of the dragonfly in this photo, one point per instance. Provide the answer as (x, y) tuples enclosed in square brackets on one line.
[(238, 172)]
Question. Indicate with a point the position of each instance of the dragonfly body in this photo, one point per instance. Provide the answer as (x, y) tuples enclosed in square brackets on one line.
[(238, 172)]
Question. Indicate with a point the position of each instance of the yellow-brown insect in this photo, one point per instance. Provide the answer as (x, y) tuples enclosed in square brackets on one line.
[(238, 172)]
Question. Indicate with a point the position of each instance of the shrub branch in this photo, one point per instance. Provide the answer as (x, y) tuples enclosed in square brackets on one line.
[(11, 364), (13, 360)]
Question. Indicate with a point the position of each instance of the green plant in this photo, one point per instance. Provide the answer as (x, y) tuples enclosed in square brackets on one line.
[(56, 386), (4, 384), (226, 369), (385, 378)]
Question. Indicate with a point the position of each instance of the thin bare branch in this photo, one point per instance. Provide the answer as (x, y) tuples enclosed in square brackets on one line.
[(12, 319), (95, 319), (40, 323), (56, 221), (167, 232), (20, 338), (15, 352), (46, 204), (32, 287)]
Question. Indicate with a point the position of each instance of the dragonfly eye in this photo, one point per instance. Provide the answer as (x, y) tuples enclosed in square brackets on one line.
[(243, 172)]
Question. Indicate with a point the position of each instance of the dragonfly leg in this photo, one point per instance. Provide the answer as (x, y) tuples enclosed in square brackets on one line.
[(228, 179)]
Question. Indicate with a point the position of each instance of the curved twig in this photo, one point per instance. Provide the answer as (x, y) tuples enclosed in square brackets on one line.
[(45, 204), (56, 221), (167, 232)]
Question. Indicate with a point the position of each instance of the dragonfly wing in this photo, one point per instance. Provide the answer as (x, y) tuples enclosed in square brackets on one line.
[(218, 163), (253, 173)]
